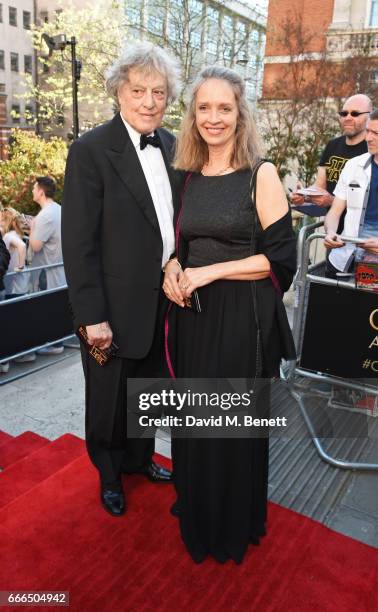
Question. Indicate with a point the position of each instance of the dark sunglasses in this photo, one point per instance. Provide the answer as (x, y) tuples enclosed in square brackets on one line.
[(352, 113)]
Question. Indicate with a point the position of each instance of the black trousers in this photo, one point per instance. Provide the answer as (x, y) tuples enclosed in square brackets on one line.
[(109, 448)]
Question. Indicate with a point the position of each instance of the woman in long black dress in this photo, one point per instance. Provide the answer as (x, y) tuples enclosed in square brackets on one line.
[(222, 483)]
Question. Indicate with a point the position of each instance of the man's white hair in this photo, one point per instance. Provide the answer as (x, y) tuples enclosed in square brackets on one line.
[(145, 56)]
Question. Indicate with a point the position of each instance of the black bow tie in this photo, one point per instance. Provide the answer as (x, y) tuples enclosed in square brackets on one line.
[(149, 140)]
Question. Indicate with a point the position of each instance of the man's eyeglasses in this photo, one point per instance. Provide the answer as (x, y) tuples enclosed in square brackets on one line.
[(352, 113)]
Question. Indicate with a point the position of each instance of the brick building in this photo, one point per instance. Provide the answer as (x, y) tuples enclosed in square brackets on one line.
[(334, 29)]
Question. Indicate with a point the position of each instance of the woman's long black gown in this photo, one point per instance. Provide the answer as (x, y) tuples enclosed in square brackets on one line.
[(222, 483)]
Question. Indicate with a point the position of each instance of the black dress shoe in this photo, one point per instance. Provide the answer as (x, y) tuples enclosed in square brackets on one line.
[(113, 502), (175, 510), (156, 473)]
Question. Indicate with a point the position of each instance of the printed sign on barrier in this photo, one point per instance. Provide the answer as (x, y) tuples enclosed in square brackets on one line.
[(341, 332)]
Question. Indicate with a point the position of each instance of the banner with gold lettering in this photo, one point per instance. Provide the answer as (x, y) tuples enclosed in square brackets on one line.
[(341, 332)]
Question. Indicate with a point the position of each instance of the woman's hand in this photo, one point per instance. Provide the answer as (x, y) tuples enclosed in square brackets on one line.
[(172, 276), (192, 278)]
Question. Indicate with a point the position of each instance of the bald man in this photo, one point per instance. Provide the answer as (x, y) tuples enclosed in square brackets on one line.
[(353, 118)]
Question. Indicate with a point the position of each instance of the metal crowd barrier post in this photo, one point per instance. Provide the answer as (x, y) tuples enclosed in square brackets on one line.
[(303, 253), (304, 278)]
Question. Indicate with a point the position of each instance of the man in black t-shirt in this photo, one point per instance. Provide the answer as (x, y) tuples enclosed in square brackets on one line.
[(353, 119), (335, 155)]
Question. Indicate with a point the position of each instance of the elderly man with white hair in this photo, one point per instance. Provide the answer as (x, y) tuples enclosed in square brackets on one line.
[(119, 200)]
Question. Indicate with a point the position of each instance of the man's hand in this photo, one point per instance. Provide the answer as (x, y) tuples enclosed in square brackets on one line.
[(332, 241), (371, 245), (171, 287), (100, 335), (325, 199), (296, 198)]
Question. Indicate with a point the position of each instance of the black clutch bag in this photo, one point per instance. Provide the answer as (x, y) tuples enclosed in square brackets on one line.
[(193, 302), (102, 356)]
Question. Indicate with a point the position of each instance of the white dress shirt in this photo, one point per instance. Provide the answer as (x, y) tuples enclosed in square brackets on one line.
[(353, 187), (156, 175)]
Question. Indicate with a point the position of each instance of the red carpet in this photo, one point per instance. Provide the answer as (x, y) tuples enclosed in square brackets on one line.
[(24, 474), (19, 447), (4, 437), (55, 536)]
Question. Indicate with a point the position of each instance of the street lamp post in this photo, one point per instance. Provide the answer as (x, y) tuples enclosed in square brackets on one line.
[(60, 42), (76, 68)]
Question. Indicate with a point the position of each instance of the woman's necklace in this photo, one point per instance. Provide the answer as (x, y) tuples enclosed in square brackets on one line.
[(215, 173)]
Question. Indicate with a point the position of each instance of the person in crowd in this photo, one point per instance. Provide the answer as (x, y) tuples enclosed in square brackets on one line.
[(350, 144), (4, 263), (356, 193), (46, 244), (17, 284), (119, 198), (45, 232), (222, 483)]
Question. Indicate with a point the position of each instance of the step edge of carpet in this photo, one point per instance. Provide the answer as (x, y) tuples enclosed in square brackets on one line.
[(53, 447), (19, 437), (50, 443), (42, 483), (17, 442)]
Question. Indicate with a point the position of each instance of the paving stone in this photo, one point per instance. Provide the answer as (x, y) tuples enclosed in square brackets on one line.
[(355, 524)]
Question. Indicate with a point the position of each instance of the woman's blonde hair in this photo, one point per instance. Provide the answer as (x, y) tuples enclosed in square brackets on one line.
[(192, 151), (11, 220)]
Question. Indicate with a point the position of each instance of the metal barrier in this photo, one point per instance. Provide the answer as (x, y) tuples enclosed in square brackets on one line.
[(316, 362), (29, 269), (34, 321)]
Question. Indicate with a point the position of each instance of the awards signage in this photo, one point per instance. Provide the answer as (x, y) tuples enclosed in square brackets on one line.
[(341, 332)]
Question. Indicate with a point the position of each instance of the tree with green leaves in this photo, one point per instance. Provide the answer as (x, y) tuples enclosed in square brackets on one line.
[(298, 114), (184, 27), (30, 156), (197, 33), (100, 33)]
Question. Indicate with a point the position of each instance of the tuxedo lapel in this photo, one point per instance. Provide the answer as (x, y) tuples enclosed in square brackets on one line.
[(167, 152), (167, 149), (124, 159)]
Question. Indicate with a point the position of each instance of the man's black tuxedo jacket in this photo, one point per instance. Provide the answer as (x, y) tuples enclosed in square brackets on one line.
[(112, 246)]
